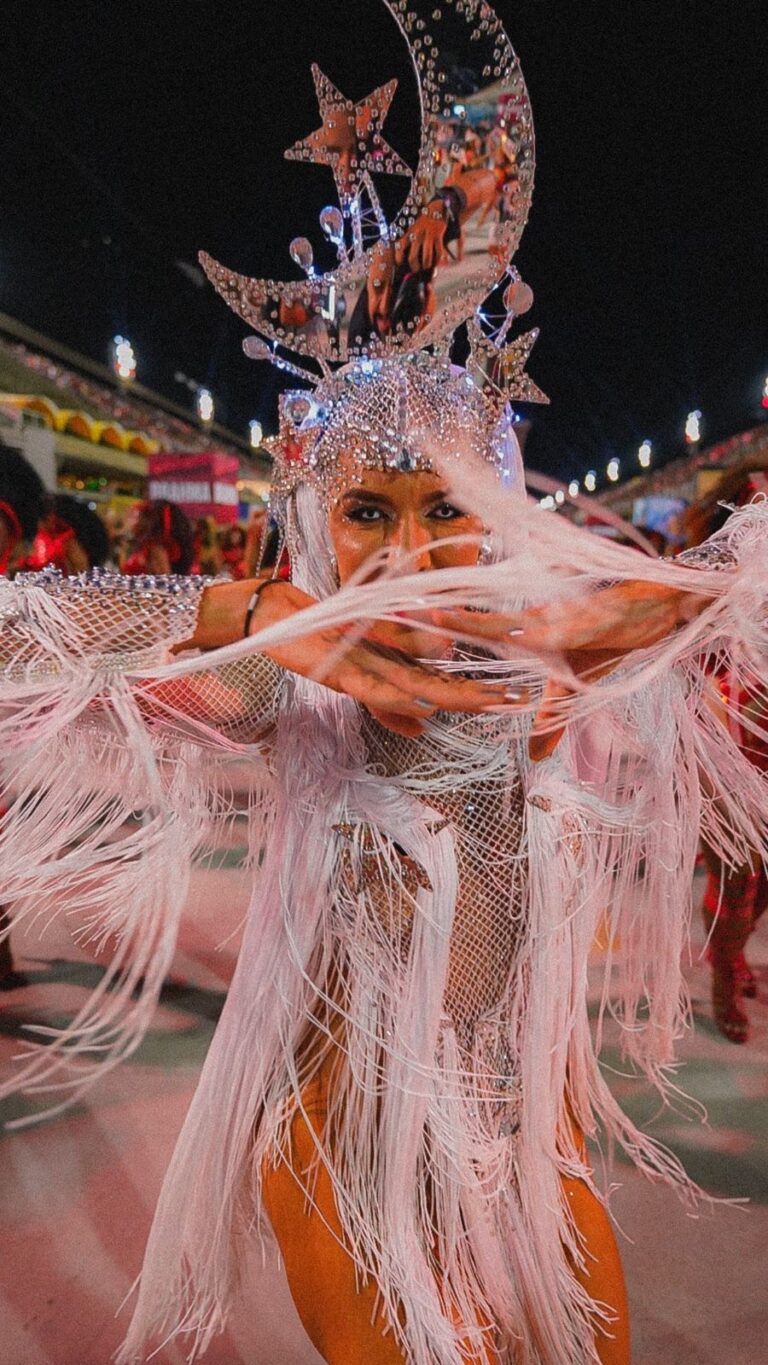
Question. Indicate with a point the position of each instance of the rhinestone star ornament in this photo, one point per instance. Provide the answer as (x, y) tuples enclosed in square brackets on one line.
[(350, 140), (503, 366), (514, 358)]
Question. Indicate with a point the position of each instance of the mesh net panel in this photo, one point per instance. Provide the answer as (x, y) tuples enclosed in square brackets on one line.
[(122, 624), (237, 701), (483, 801)]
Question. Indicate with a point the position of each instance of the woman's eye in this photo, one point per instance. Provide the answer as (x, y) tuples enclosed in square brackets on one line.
[(366, 515), (446, 511)]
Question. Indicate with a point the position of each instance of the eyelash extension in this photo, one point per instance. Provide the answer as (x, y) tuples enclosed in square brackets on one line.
[(354, 513)]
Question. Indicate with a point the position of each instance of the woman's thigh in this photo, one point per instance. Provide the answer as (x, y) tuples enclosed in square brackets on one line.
[(602, 1276), (340, 1311)]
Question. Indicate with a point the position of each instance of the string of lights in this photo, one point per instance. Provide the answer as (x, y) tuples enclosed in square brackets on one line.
[(124, 364), (615, 471)]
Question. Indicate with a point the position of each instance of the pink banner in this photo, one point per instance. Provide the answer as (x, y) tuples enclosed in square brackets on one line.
[(203, 485)]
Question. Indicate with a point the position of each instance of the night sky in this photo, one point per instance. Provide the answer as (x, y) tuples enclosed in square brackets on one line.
[(134, 134)]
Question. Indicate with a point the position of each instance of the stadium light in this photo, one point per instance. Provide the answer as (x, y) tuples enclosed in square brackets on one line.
[(205, 407), (693, 427), (123, 358)]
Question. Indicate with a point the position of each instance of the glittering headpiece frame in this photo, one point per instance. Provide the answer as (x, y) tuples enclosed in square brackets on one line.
[(400, 289)]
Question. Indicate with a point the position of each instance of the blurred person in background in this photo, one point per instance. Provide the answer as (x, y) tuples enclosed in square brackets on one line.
[(21, 497), (735, 897), (70, 537), (162, 541), (207, 555), (113, 523), (233, 544)]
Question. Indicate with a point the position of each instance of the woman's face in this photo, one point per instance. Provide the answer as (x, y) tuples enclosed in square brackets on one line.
[(410, 516), (136, 520)]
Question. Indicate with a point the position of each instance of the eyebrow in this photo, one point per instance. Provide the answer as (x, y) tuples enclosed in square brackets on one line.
[(364, 495)]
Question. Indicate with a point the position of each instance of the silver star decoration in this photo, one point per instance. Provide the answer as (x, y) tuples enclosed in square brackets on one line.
[(505, 365)]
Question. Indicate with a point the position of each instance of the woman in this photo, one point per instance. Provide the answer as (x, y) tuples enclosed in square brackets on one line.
[(233, 546), (735, 897), (403, 1073), (409, 515), (70, 537), (206, 553), (21, 496), (162, 540)]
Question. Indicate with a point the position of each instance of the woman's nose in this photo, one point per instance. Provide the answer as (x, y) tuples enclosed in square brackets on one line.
[(413, 543)]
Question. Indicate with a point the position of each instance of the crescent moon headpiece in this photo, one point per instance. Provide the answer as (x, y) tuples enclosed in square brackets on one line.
[(372, 335)]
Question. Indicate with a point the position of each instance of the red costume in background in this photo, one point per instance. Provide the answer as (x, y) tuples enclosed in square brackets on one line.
[(735, 898)]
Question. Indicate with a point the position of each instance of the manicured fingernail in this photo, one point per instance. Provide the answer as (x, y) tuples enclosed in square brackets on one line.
[(426, 705), (514, 694), (519, 630)]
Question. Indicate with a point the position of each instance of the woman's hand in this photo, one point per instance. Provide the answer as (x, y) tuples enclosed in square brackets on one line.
[(399, 691), (613, 621), (591, 634)]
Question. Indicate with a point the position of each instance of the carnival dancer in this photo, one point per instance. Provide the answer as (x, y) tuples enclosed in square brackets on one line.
[(466, 752), (21, 495), (233, 546), (162, 540), (735, 897), (70, 537), (403, 1073)]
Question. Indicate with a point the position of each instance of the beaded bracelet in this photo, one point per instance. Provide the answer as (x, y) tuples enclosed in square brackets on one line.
[(253, 602)]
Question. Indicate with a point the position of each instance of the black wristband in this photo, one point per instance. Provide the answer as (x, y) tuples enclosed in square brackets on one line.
[(253, 602)]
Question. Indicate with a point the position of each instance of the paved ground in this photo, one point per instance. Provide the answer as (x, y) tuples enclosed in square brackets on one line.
[(76, 1193)]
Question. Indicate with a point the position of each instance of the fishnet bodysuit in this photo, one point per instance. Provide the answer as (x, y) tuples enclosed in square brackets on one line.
[(465, 768)]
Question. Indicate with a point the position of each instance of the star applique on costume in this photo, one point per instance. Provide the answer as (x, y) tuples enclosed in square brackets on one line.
[(350, 139)]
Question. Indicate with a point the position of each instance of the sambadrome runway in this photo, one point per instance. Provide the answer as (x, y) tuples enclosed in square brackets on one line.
[(77, 1192)]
